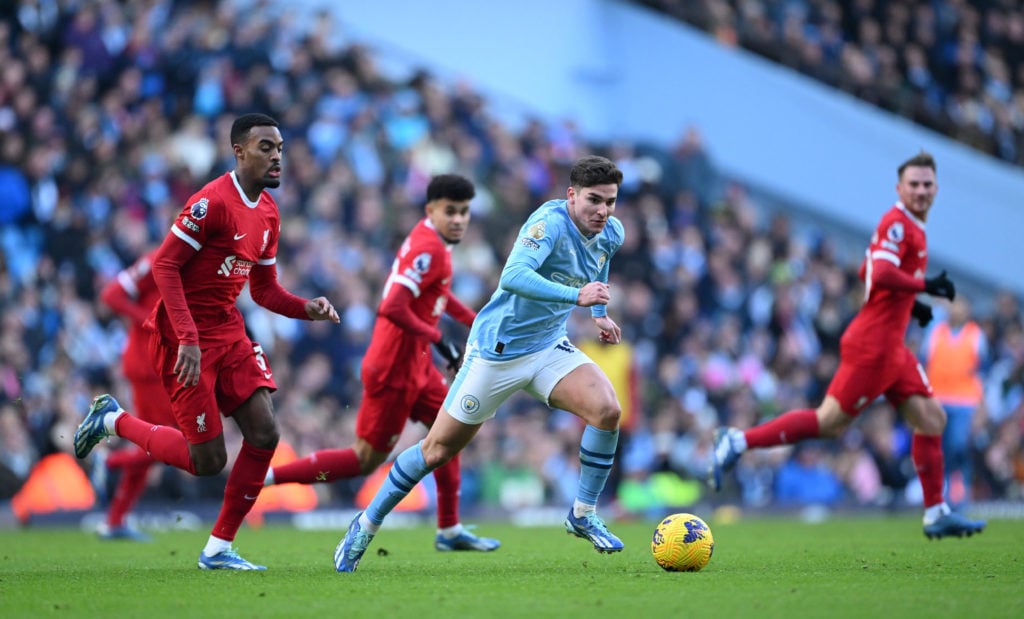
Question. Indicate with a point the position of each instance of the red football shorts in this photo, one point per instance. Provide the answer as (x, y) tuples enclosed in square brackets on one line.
[(151, 403), (228, 377), (385, 410), (859, 382)]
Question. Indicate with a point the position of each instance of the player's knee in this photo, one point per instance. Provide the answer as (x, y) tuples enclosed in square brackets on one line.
[(264, 437), (369, 461), (933, 421), (209, 463), (832, 421), (436, 454), (608, 415)]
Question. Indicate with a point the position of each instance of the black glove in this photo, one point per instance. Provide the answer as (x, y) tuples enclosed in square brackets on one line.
[(922, 313), (940, 286), (450, 351)]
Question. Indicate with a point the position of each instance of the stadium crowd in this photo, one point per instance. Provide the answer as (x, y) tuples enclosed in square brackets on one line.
[(951, 65), (113, 114)]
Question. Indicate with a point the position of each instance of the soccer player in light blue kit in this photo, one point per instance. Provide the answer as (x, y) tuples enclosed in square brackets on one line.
[(519, 342)]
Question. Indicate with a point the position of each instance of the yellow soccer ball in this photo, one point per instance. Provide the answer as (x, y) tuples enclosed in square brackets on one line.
[(682, 543)]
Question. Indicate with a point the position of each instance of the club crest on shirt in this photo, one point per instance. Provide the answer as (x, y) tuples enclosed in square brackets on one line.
[(895, 232), (422, 262), (537, 230), (601, 260), (198, 210)]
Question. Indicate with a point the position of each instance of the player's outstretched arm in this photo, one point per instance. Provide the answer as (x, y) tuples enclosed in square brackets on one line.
[(268, 293)]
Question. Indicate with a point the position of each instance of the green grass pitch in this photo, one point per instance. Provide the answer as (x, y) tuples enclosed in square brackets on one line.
[(870, 567)]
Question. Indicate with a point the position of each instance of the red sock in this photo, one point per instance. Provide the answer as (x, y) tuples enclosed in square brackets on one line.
[(785, 429), (162, 443), (131, 456), (318, 467), (129, 489), (448, 478), (926, 452), (243, 488)]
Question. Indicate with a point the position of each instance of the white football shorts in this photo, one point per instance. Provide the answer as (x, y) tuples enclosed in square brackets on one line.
[(482, 385)]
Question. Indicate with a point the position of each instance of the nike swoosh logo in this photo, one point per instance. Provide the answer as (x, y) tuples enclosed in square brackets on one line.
[(240, 236), (250, 498), (267, 375)]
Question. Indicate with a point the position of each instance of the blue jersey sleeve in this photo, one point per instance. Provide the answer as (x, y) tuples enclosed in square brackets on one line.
[(536, 241)]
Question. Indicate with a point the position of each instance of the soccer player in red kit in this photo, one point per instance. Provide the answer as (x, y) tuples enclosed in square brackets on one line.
[(133, 295), (874, 359), (226, 236), (400, 381)]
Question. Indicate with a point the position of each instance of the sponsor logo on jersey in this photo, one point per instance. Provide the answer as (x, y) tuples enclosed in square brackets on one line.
[(198, 210), (537, 230), (529, 243), (201, 422), (233, 266), (191, 225), (239, 237), (568, 280), (470, 404), (266, 241), (893, 247), (422, 262)]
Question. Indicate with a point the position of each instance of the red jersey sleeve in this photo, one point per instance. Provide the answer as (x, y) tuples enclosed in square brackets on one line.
[(190, 231), (890, 250), (397, 307), (458, 310), (125, 293)]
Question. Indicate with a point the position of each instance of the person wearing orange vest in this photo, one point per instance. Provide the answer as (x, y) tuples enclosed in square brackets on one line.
[(954, 351)]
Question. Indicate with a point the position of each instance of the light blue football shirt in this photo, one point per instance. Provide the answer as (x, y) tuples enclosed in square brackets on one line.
[(528, 313)]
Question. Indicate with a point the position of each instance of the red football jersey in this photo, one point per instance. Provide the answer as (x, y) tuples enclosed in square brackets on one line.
[(138, 283), (882, 322), (424, 266), (230, 234)]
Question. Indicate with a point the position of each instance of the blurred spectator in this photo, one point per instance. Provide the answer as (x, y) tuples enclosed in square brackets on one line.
[(955, 351), (952, 66)]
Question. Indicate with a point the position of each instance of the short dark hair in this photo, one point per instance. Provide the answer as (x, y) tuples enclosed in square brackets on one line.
[(240, 128), (922, 159), (594, 170), (450, 186)]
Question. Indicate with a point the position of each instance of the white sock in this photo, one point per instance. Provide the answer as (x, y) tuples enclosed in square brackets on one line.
[(109, 420), (365, 523), (451, 532), (579, 509), (269, 479), (216, 545), (933, 513)]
